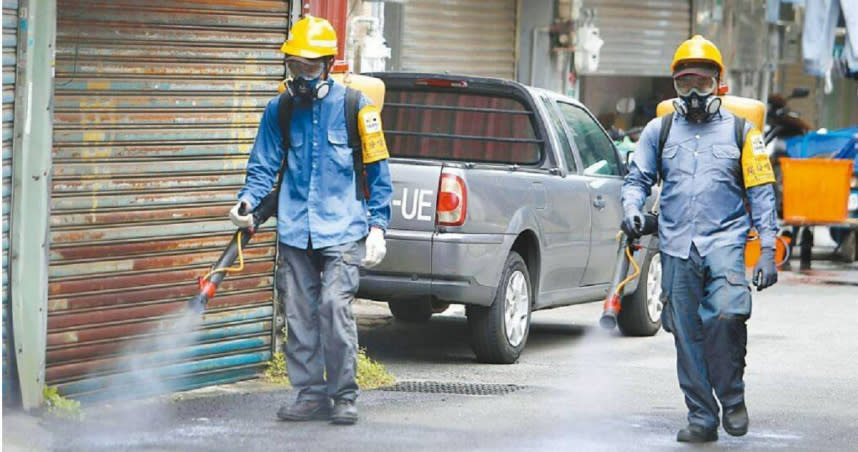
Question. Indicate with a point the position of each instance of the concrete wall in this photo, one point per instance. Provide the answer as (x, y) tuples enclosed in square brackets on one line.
[(549, 71)]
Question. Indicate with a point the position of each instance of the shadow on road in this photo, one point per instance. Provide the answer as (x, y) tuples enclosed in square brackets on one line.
[(446, 339)]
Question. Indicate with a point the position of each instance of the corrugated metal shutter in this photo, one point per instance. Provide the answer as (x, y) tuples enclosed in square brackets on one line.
[(640, 37), (473, 37), (10, 45), (157, 105)]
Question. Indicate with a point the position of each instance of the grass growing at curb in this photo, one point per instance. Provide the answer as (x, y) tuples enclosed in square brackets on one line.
[(371, 374), (60, 406), (276, 370)]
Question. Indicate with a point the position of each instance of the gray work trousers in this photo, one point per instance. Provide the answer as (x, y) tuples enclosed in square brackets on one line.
[(708, 304), (316, 289)]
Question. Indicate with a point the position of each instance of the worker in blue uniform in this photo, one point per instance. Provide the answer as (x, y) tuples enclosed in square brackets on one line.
[(717, 183), (334, 207)]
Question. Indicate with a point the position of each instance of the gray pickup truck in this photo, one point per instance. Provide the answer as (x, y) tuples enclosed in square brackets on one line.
[(506, 200)]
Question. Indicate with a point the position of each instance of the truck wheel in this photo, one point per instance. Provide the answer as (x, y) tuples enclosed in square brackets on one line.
[(438, 307), (418, 311), (499, 332), (641, 311)]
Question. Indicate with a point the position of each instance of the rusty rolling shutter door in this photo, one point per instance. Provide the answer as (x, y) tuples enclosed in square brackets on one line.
[(157, 105), (10, 45)]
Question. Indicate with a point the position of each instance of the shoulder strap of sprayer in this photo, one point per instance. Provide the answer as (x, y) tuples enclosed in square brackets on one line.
[(352, 107), (284, 120), (663, 133), (667, 122), (739, 131), (739, 135)]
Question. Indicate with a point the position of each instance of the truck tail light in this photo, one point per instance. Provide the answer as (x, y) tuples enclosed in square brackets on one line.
[(452, 201)]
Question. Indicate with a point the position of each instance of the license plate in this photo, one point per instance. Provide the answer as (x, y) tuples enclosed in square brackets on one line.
[(853, 201)]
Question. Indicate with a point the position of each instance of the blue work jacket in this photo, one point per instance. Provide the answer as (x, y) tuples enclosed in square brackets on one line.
[(702, 198), (317, 205)]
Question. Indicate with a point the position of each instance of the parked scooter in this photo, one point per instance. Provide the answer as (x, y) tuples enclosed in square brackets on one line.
[(782, 123)]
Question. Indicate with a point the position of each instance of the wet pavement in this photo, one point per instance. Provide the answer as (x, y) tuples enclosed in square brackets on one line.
[(580, 389)]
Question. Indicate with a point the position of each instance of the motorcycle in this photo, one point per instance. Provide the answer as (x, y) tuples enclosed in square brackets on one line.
[(781, 124), (783, 131)]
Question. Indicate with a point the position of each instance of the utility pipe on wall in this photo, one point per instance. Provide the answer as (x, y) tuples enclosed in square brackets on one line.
[(31, 193), (533, 38)]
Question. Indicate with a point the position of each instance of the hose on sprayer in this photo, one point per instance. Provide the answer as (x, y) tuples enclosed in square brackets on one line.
[(208, 284)]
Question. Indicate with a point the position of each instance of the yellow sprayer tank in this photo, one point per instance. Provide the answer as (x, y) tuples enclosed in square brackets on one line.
[(750, 109), (371, 87)]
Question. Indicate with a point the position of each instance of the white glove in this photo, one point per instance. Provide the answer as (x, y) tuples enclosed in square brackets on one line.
[(241, 221), (375, 248)]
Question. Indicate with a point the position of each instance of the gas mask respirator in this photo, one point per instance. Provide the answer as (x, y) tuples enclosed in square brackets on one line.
[(306, 83), (697, 96)]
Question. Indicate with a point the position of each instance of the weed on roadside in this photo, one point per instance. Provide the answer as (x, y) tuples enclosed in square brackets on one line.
[(370, 374), (276, 371), (60, 406)]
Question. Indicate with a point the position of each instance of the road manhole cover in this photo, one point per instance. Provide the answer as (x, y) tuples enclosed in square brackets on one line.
[(437, 387)]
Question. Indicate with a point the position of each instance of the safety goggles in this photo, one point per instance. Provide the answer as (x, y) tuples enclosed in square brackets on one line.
[(305, 68), (703, 85)]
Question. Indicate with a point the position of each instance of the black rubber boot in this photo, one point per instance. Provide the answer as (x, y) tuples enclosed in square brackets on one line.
[(697, 434), (345, 412), (305, 410), (736, 419)]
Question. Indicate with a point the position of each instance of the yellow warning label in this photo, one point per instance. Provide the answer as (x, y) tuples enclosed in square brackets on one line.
[(372, 135), (755, 163)]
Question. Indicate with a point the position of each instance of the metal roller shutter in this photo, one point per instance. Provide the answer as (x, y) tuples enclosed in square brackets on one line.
[(472, 37), (157, 105), (10, 45), (640, 37)]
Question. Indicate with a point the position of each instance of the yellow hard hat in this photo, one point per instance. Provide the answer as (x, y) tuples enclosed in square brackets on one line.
[(696, 50), (311, 37)]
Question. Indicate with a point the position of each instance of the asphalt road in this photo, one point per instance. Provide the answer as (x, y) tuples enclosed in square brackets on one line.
[(581, 389)]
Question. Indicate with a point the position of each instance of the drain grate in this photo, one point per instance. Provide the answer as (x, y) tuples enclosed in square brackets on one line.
[(437, 387)]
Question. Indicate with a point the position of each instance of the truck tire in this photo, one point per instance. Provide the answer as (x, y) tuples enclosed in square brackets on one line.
[(641, 311), (499, 332), (418, 311)]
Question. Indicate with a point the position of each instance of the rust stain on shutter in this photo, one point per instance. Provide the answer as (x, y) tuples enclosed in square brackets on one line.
[(156, 109)]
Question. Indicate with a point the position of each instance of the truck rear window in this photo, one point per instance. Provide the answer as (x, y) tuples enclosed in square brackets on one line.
[(459, 126)]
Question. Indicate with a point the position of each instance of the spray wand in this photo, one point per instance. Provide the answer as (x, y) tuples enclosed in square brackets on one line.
[(210, 282), (613, 303)]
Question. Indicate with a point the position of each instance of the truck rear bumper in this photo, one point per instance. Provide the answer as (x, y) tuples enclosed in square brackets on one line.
[(465, 269)]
